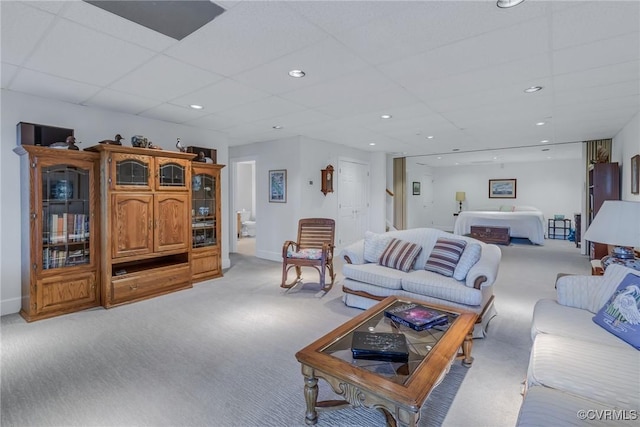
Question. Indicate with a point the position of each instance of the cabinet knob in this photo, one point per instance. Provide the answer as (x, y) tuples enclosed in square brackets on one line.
[(133, 287)]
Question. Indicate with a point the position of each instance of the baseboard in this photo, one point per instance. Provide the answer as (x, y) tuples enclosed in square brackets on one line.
[(10, 306)]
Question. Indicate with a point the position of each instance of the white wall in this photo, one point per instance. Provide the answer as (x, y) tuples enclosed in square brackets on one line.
[(626, 144), (303, 158), (554, 187), (90, 126)]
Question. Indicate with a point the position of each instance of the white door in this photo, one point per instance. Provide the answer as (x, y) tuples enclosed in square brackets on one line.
[(427, 200), (353, 202)]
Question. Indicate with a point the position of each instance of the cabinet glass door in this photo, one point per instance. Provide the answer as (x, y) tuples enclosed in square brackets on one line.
[(203, 210), (65, 216), (172, 174)]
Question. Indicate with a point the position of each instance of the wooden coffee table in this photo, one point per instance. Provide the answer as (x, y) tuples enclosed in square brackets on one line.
[(397, 389)]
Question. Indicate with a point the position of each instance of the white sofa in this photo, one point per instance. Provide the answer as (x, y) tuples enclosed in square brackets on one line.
[(576, 365), (366, 282)]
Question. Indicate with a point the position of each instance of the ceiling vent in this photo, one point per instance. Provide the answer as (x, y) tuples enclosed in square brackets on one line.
[(176, 19)]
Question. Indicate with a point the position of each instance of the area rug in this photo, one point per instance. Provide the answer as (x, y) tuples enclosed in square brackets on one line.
[(432, 414)]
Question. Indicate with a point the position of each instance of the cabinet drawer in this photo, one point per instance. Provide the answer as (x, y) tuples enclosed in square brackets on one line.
[(149, 282)]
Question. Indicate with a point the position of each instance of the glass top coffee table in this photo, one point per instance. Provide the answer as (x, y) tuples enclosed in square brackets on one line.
[(398, 389)]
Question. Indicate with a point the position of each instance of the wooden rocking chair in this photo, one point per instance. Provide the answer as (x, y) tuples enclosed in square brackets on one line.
[(314, 248)]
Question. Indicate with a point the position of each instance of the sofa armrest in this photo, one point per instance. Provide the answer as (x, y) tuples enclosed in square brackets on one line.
[(485, 271), (579, 291), (353, 253)]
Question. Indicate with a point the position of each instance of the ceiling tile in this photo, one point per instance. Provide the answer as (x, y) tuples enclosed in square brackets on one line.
[(322, 61), (77, 53), (597, 54), (222, 95), (234, 36), (151, 79), (47, 86), (120, 101), (7, 73), (172, 113), (17, 43), (264, 108)]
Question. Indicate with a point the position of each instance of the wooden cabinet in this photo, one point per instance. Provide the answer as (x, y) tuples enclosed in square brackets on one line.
[(146, 206), (603, 184), (59, 231), (491, 234), (205, 221)]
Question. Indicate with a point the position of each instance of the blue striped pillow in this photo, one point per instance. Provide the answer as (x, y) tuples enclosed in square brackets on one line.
[(445, 256), (399, 255)]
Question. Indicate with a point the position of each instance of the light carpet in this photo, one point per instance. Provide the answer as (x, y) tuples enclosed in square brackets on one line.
[(222, 354)]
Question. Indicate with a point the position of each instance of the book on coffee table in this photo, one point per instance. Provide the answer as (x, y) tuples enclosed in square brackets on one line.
[(416, 316), (383, 346)]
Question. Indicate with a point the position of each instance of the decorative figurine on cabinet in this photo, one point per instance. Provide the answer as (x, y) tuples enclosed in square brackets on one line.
[(71, 143), (115, 141), (180, 147)]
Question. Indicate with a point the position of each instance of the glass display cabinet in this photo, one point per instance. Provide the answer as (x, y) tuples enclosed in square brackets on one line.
[(59, 229), (205, 221)]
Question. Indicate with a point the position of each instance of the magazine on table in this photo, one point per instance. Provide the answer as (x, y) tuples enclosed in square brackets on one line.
[(416, 316)]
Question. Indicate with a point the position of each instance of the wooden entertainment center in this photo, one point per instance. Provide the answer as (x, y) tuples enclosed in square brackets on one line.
[(111, 225)]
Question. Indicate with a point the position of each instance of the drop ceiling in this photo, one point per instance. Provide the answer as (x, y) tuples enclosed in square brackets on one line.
[(453, 70)]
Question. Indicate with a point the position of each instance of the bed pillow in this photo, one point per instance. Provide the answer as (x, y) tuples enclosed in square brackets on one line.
[(469, 258), (620, 315), (374, 245), (445, 256), (525, 209), (506, 208), (399, 255)]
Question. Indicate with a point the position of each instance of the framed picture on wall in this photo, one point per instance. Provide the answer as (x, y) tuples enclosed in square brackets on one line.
[(502, 188), (278, 186), (635, 174), (416, 188)]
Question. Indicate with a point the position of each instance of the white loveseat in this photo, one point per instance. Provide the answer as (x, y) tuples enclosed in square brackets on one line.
[(577, 369), (366, 282)]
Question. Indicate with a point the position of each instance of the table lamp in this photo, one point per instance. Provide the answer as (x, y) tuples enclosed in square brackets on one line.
[(460, 197), (617, 223)]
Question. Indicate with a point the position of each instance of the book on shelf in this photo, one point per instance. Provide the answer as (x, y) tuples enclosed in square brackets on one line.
[(383, 346), (416, 316)]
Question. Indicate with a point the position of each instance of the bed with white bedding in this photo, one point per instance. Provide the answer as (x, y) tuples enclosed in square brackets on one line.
[(523, 222)]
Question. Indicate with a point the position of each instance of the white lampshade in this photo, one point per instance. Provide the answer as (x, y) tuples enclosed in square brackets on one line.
[(460, 196), (616, 223)]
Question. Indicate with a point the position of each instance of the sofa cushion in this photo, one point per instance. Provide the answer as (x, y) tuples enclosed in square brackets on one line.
[(550, 317), (374, 245), (399, 255), (445, 256), (374, 274), (621, 314), (427, 283), (544, 406), (599, 372), (469, 257)]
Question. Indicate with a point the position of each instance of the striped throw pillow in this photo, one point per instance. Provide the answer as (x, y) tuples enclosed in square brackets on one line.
[(445, 256), (399, 255)]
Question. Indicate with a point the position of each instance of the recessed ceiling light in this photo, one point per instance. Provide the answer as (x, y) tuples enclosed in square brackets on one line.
[(297, 73), (544, 141), (505, 4), (430, 137), (540, 124), (533, 89), (196, 106), (495, 157), (277, 127), (439, 157), (386, 116), (372, 143)]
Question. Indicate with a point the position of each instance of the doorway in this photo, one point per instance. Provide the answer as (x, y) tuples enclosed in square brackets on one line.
[(244, 211), (353, 201)]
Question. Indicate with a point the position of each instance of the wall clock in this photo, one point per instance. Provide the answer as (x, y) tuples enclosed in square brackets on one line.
[(326, 181)]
